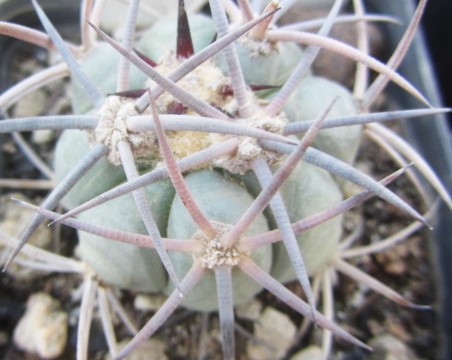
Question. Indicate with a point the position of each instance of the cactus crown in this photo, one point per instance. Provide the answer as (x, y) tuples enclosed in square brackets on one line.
[(237, 125)]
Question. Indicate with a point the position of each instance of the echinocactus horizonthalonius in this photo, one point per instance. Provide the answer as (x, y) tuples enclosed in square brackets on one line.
[(215, 157)]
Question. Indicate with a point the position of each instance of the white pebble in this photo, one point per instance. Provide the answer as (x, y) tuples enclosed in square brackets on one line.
[(388, 347), (43, 328), (145, 302), (42, 137), (310, 353), (274, 333), (32, 104), (249, 311), (13, 220), (152, 349)]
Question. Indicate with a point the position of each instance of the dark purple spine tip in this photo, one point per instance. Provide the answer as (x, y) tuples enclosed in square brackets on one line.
[(184, 46)]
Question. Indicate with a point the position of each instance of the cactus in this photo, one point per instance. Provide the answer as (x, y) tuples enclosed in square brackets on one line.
[(214, 165)]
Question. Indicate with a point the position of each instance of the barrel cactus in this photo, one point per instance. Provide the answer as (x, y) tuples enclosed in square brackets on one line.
[(215, 158)]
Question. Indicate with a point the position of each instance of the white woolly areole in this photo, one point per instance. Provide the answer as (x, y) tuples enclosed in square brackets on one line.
[(249, 148), (112, 128), (259, 47), (214, 254), (206, 82)]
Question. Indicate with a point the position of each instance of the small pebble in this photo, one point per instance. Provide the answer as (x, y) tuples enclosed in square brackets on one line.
[(13, 219), (388, 347), (4, 338), (146, 302), (42, 137), (43, 329), (249, 311), (152, 349), (274, 332), (111, 22), (32, 104), (310, 353)]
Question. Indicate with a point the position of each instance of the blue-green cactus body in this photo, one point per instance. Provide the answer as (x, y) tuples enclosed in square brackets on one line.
[(160, 39), (264, 63), (102, 61), (101, 65), (222, 200), (310, 99), (125, 265), (307, 191), (71, 148)]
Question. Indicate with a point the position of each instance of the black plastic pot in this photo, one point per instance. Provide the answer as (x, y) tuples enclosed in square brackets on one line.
[(438, 32), (432, 137), (63, 13)]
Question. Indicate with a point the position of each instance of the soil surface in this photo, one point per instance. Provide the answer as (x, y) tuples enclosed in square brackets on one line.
[(406, 268)]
